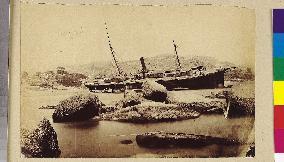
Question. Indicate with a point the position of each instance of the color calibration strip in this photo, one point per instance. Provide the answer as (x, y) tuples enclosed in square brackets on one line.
[(278, 77)]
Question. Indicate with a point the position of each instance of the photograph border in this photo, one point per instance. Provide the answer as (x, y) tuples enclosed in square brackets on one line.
[(263, 79)]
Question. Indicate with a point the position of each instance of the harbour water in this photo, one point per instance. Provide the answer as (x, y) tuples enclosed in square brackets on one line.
[(95, 138)]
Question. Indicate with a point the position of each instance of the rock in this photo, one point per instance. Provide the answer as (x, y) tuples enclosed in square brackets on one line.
[(151, 112), (41, 142), (171, 99), (240, 107), (199, 103), (251, 151), (107, 109), (77, 108), (132, 98), (154, 91), (127, 142), (164, 140), (241, 101), (212, 107)]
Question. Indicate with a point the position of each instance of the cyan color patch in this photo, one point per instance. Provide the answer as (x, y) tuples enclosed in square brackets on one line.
[(278, 45)]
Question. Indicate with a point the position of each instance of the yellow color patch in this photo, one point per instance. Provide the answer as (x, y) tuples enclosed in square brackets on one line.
[(278, 88)]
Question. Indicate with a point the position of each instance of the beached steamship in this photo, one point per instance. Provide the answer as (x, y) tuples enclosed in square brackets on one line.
[(194, 78)]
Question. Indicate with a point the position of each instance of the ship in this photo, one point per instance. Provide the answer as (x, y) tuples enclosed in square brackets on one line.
[(194, 78)]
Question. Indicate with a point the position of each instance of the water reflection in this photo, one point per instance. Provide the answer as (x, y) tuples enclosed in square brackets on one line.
[(92, 123)]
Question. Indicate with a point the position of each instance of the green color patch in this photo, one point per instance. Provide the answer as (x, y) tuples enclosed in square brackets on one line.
[(278, 68)]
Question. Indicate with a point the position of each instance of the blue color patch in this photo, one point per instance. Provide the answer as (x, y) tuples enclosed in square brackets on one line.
[(278, 45)]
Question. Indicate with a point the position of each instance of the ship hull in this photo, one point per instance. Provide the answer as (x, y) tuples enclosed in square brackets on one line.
[(208, 81)]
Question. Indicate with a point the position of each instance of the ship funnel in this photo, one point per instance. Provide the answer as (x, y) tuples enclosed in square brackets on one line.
[(144, 69)]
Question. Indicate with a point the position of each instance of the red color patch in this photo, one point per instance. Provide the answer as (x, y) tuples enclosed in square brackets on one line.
[(279, 117)]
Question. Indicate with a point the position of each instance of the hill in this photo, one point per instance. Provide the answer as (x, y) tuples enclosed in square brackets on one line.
[(163, 63), (74, 76)]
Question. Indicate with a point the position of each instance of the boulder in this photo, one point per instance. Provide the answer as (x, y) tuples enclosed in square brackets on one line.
[(238, 106), (41, 142), (154, 91), (126, 142), (151, 112), (77, 108), (164, 140), (131, 98), (240, 101)]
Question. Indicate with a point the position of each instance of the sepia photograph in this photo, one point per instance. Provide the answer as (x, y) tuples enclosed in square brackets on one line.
[(137, 81)]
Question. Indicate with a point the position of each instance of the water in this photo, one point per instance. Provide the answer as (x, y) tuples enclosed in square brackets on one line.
[(102, 138)]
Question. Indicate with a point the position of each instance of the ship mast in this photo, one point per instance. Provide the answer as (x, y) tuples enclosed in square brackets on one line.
[(113, 52), (177, 58), (116, 62)]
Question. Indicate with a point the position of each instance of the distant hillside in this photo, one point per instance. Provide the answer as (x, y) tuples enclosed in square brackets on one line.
[(74, 76), (157, 63), (53, 79), (162, 63)]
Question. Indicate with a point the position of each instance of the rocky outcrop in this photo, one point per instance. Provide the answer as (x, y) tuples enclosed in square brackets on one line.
[(107, 109), (238, 106), (41, 142), (151, 112), (77, 108), (203, 105), (241, 100), (211, 107), (154, 91), (163, 140), (131, 98)]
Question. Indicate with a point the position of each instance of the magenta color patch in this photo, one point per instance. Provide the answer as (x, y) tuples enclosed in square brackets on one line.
[(279, 140)]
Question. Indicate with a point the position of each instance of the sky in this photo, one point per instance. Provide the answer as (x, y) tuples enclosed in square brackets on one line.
[(56, 35)]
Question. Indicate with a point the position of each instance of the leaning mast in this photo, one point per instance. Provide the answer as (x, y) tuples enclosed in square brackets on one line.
[(113, 53), (177, 58)]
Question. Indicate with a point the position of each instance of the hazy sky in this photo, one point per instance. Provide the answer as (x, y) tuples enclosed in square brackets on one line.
[(55, 35)]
